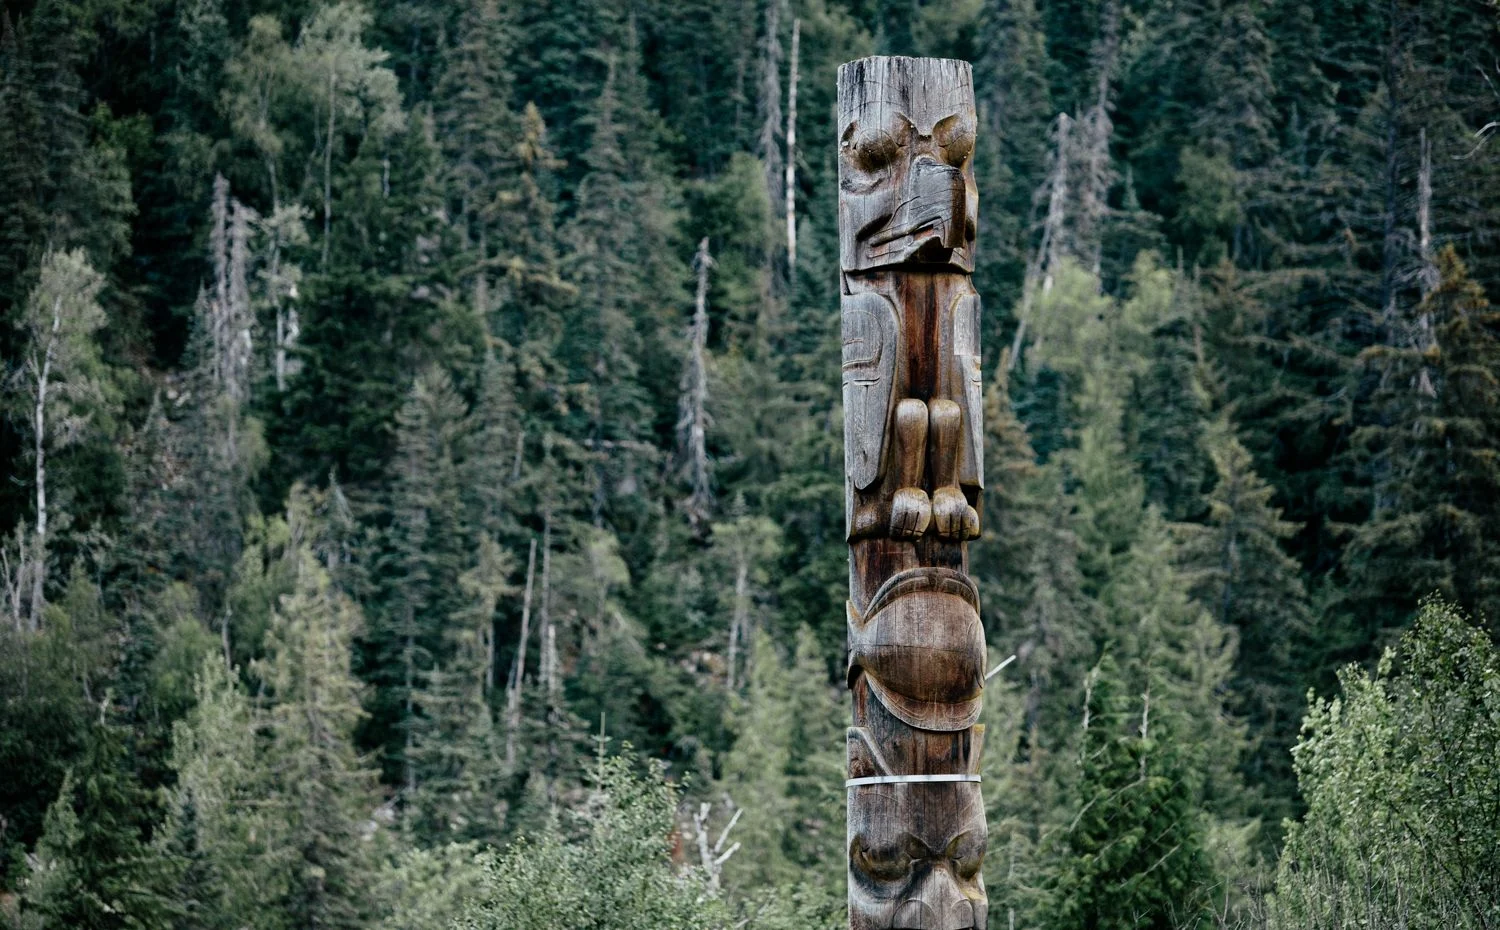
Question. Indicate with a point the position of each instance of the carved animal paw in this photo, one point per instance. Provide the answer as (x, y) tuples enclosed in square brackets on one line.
[(951, 514), (911, 512)]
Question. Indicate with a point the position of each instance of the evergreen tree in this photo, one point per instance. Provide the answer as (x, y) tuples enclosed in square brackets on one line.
[(93, 869), (1430, 453), (1132, 855), (627, 267), (755, 771), (455, 755), (816, 835), (1241, 574), (320, 792), (218, 834), (422, 560)]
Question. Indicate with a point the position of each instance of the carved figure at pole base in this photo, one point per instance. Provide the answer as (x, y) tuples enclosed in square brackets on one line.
[(908, 869)]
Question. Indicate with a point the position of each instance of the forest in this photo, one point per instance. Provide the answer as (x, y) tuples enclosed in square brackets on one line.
[(423, 489)]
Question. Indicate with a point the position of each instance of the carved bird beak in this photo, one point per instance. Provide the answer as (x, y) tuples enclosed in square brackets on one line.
[(934, 207)]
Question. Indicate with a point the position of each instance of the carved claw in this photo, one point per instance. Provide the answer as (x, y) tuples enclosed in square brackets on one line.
[(950, 511), (971, 523), (911, 512)]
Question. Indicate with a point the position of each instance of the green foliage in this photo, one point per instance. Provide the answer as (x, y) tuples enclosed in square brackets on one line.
[(1240, 572), (1133, 854), (1399, 778), (607, 865), (92, 868), (1431, 448)]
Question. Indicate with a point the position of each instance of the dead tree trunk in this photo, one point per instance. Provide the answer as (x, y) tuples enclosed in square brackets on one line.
[(913, 460), (518, 669), (791, 153), (692, 407)]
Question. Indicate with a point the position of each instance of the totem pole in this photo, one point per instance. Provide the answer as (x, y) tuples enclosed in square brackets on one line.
[(914, 467)]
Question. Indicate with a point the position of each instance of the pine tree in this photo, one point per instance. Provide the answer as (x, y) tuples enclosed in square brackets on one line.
[(93, 869), (1027, 564), (626, 265), (1015, 107), (816, 835), (321, 792), (1133, 853), (455, 755), (1176, 654), (1241, 573), (755, 771), (1429, 453), (421, 562), (475, 117), (218, 835)]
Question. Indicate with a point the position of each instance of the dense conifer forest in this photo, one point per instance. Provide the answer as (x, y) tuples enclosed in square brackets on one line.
[(423, 500)]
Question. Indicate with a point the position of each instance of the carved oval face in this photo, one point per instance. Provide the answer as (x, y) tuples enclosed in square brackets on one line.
[(921, 644)]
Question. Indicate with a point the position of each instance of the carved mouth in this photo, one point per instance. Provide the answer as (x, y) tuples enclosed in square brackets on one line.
[(929, 223)]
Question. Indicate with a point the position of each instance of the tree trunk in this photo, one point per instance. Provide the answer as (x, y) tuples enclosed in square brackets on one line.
[(328, 167), (692, 418), (1043, 259), (38, 555), (791, 152), (739, 616), (518, 668), (914, 470)]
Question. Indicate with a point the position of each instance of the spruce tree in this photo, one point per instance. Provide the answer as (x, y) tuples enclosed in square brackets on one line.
[(1132, 855), (455, 755), (1240, 572), (627, 266), (93, 869), (755, 771), (1429, 453), (422, 558), (816, 835), (218, 834), (321, 792)]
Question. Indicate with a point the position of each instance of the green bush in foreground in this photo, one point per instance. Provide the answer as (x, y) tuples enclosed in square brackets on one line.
[(609, 866), (1402, 783)]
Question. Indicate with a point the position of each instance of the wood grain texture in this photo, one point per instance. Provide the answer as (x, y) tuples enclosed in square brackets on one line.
[(914, 474)]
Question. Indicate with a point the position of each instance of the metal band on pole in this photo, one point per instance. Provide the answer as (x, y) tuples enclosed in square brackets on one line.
[(907, 780)]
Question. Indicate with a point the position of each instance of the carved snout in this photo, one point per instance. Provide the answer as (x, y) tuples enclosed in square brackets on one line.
[(937, 903), (933, 207)]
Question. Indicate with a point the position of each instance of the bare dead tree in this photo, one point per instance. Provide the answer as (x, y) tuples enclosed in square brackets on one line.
[(791, 151), (518, 667), (692, 408), (1044, 257)]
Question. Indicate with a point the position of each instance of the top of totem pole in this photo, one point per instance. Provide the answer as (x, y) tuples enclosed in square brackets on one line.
[(906, 164)]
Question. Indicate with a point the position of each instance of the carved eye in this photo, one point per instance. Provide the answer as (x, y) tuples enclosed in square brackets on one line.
[(967, 853), (955, 136), (884, 864), (874, 150)]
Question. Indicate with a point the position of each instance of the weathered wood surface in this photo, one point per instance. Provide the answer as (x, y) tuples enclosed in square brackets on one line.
[(914, 471)]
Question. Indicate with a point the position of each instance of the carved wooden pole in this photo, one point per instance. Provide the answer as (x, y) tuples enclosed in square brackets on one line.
[(913, 461)]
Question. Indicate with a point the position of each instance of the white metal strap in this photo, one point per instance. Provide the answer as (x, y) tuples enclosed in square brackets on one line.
[(906, 779)]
